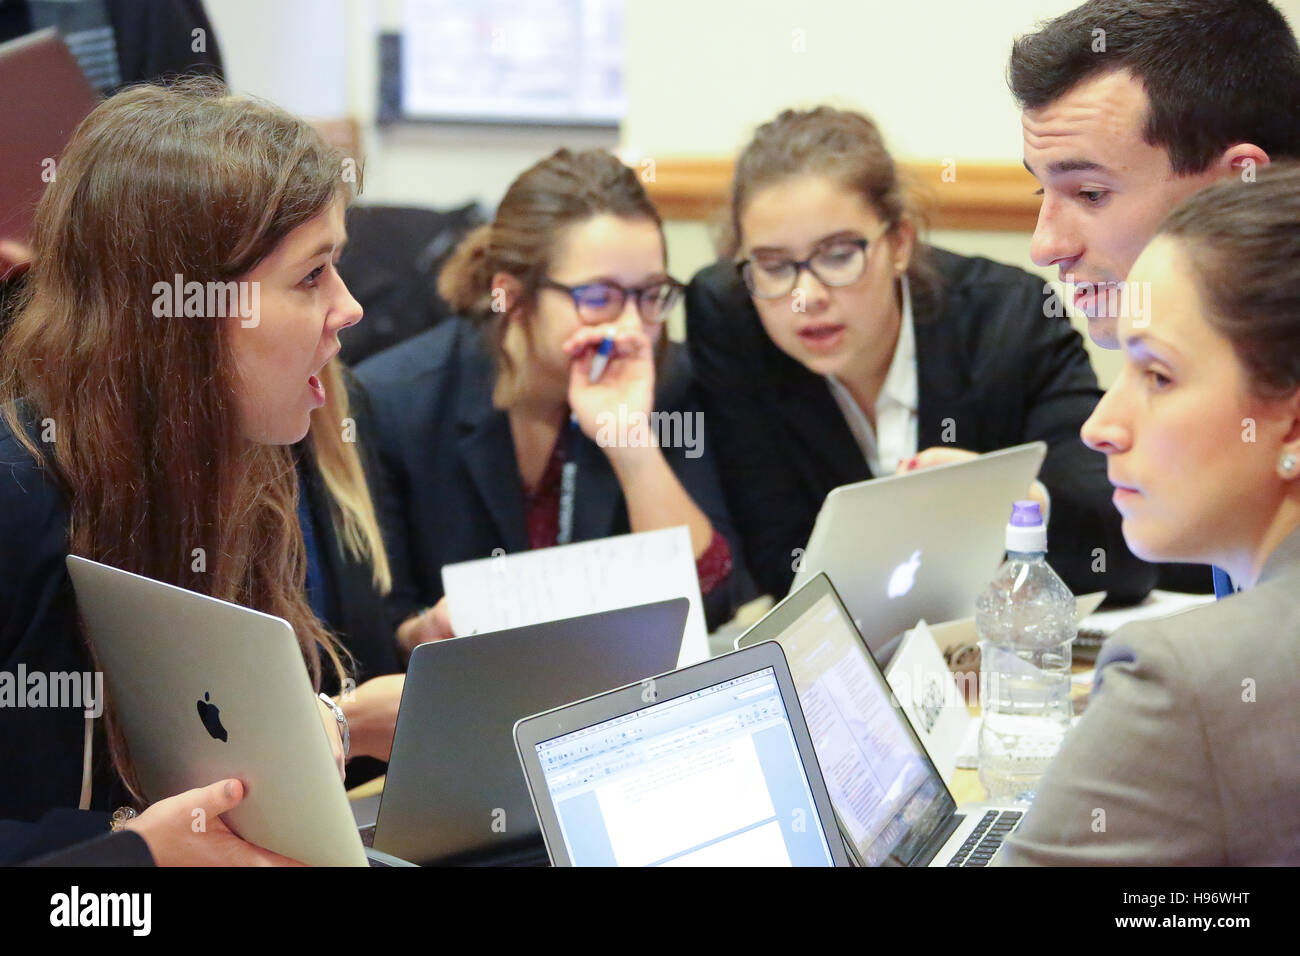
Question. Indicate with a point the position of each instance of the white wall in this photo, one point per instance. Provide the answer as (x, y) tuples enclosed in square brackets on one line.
[(701, 74), (294, 52)]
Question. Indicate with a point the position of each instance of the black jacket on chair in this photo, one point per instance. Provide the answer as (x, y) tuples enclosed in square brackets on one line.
[(991, 357), (452, 479), (391, 265)]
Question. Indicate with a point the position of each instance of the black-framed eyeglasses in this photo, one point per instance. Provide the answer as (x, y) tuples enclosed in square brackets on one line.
[(598, 302), (835, 262)]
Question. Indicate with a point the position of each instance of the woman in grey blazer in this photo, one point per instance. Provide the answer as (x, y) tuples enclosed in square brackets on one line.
[(1188, 753)]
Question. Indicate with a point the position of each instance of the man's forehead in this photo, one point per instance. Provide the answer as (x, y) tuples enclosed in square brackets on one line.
[(1091, 120)]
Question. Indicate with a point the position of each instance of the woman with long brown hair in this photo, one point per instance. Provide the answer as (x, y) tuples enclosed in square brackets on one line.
[(181, 308), (479, 419)]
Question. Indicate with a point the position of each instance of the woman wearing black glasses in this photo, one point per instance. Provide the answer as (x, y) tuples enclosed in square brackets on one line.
[(554, 408), (831, 346)]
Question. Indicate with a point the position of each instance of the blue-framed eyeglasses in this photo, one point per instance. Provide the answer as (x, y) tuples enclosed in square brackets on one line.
[(598, 302)]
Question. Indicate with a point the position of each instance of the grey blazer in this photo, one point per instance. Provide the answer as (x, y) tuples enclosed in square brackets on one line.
[(1189, 752)]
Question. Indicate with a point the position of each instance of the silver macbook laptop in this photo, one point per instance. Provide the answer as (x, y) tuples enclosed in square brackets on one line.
[(453, 792), (711, 765), (206, 690), (918, 545), (892, 805)]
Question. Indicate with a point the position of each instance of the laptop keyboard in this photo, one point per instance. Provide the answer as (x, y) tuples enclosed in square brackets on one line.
[(986, 838)]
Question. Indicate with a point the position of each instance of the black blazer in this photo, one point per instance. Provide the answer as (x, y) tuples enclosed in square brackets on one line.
[(988, 357), (452, 479), (154, 38), (41, 748)]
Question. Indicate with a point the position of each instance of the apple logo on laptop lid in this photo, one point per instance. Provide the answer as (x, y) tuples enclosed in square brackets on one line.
[(210, 714), (904, 576)]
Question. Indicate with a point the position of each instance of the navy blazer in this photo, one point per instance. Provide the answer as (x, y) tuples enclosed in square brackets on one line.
[(989, 357), (453, 491), (41, 748)]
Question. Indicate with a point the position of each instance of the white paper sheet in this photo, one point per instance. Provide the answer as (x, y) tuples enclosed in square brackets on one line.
[(1156, 604), (928, 694), (549, 584)]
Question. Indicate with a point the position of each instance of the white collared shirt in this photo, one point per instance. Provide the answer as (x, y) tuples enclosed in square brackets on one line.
[(894, 437)]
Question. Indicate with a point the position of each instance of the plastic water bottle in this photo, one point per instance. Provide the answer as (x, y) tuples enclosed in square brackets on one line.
[(1026, 624)]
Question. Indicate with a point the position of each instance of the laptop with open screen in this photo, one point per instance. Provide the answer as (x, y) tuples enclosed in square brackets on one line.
[(453, 793), (917, 545), (893, 807), (710, 765)]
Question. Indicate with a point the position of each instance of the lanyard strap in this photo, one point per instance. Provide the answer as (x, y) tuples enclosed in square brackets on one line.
[(569, 483)]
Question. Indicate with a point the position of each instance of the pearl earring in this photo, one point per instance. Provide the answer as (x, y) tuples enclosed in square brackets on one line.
[(1287, 464)]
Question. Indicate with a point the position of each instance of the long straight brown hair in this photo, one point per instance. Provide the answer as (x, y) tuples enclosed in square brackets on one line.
[(136, 415)]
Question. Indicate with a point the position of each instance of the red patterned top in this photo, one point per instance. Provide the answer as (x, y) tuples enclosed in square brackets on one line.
[(542, 507)]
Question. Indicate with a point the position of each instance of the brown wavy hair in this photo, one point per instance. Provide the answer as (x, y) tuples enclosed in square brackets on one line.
[(147, 445), (845, 147), (562, 190)]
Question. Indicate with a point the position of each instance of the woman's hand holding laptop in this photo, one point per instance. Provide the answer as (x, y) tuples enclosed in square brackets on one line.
[(187, 829)]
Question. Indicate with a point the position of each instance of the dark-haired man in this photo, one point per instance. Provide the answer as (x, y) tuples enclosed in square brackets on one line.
[(1130, 106)]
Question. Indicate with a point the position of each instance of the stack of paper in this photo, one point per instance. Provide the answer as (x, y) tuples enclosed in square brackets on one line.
[(550, 584)]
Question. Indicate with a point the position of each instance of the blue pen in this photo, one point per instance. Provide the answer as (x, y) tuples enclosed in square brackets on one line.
[(601, 360), (569, 472)]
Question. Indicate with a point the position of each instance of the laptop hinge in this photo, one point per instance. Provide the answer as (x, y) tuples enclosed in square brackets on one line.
[(936, 842)]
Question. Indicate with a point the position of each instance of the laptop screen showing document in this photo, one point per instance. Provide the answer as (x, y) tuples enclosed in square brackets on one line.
[(713, 777), (889, 798)]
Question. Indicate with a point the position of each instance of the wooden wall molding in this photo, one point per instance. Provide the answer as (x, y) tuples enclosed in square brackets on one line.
[(979, 196)]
